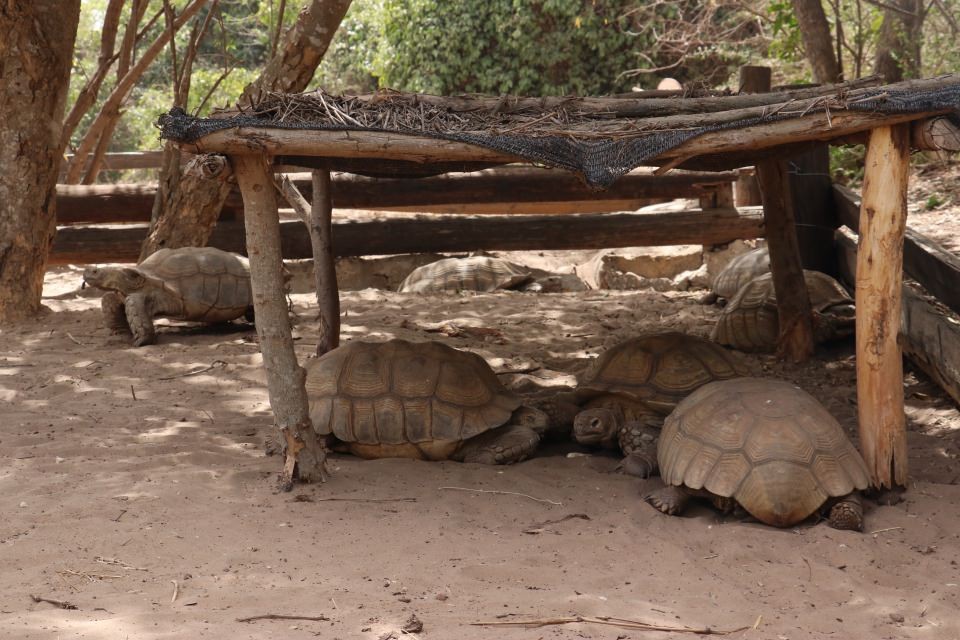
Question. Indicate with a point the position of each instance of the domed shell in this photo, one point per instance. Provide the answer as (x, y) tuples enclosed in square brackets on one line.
[(400, 392), (214, 285), (741, 270), (750, 321), (476, 273), (659, 369), (766, 443)]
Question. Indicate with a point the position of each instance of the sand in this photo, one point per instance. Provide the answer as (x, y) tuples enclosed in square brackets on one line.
[(135, 487)]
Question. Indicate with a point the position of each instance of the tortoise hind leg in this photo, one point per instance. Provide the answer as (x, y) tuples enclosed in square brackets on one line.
[(504, 445), (670, 500), (847, 513)]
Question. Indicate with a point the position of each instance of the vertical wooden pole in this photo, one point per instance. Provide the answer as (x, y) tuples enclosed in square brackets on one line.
[(324, 267), (883, 219), (793, 301), (813, 208), (305, 453)]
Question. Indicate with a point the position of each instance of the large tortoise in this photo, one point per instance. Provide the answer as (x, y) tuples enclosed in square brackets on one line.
[(475, 273), (623, 397), (190, 283), (424, 400), (765, 445), (750, 321), (739, 271)]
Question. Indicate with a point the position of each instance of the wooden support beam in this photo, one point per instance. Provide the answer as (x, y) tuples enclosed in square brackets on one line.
[(793, 302), (935, 268), (746, 188), (97, 244), (929, 332), (305, 452), (935, 134), (325, 270), (883, 217)]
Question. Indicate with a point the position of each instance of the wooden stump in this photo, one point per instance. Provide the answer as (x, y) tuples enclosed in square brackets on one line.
[(883, 218), (306, 454), (324, 267)]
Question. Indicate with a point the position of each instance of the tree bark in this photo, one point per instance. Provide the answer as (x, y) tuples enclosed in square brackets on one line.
[(898, 45), (289, 71), (817, 42), (36, 52), (325, 271), (306, 454)]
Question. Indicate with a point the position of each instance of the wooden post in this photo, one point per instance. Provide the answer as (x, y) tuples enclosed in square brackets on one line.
[(305, 453), (746, 189), (793, 301), (883, 219), (325, 271)]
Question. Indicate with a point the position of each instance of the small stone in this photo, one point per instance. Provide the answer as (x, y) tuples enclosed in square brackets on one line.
[(442, 596), (896, 617)]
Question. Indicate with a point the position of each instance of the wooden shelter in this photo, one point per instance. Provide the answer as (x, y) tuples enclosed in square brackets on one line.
[(600, 139)]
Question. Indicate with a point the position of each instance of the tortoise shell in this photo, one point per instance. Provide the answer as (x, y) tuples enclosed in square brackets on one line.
[(476, 273), (211, 285), (765, 443), (741, 270), (750, 321), (405, 399), (659, 369)]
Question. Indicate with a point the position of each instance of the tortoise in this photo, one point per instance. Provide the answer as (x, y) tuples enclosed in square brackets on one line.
[(423, 400), (750, 322), (738, 272), (190, 283), (475, 273), (623, 397), (764, 445)]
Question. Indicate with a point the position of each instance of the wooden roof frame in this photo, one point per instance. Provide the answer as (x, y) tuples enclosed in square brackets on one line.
[(879, 266)]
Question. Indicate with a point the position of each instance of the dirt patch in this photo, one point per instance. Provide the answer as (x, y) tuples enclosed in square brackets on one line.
[(130, 475)]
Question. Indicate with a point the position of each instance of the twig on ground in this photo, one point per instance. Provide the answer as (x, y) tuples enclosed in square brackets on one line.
[(176, 591), (809, 569), (213, 365), (119, 563), (530, 369), (614, 622), (303, 497), (120, 515), (63, 604), (503, 493), (89, 577), (279, 616), (133, 393), (75, 340), (540, 527), (873, 533)]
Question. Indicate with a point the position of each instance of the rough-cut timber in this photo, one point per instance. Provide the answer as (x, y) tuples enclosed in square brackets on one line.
[(935, 268), (305, 453), (935, 134), (883, 218), (36, 47), (80, 245), (325, 271)]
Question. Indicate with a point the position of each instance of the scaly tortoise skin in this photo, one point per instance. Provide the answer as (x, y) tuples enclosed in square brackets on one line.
[(765, 445), (740, 271), (622, 399), (423, 400), (476, 273), (750, 321), (200, 284)]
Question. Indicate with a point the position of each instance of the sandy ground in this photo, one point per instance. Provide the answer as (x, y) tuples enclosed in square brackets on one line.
[(141, 495)]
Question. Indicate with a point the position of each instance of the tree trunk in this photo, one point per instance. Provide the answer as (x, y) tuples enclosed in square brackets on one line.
[(289, 71), (898, 45), (817, 43), (36, 52)]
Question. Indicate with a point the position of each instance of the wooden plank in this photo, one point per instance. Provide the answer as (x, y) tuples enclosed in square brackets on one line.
[(121, 243), (934, 267), (814, 215), (305, 452), (883, 217), (929, 332), (516, 189)]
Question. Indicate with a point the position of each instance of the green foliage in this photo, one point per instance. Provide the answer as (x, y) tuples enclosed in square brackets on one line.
[(531, 47), (786, 43), (846, 164)]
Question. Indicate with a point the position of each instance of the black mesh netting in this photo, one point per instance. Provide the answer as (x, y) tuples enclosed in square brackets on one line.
[(600, 157)]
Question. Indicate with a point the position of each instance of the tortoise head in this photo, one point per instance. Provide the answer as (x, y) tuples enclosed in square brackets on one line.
[(533, 418), (835, 321), (597, 427), (125, 280)]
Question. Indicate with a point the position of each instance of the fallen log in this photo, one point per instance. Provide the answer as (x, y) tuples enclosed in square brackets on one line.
[(516, 189), (121, 243)]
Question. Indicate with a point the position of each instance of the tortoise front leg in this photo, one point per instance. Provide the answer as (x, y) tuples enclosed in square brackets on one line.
[(847, 513), (114, 314), (140, 318), (504, 445), (639, 441), (670, 500)]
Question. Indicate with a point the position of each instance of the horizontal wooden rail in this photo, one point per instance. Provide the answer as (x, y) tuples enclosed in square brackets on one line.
[(92, 244)]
